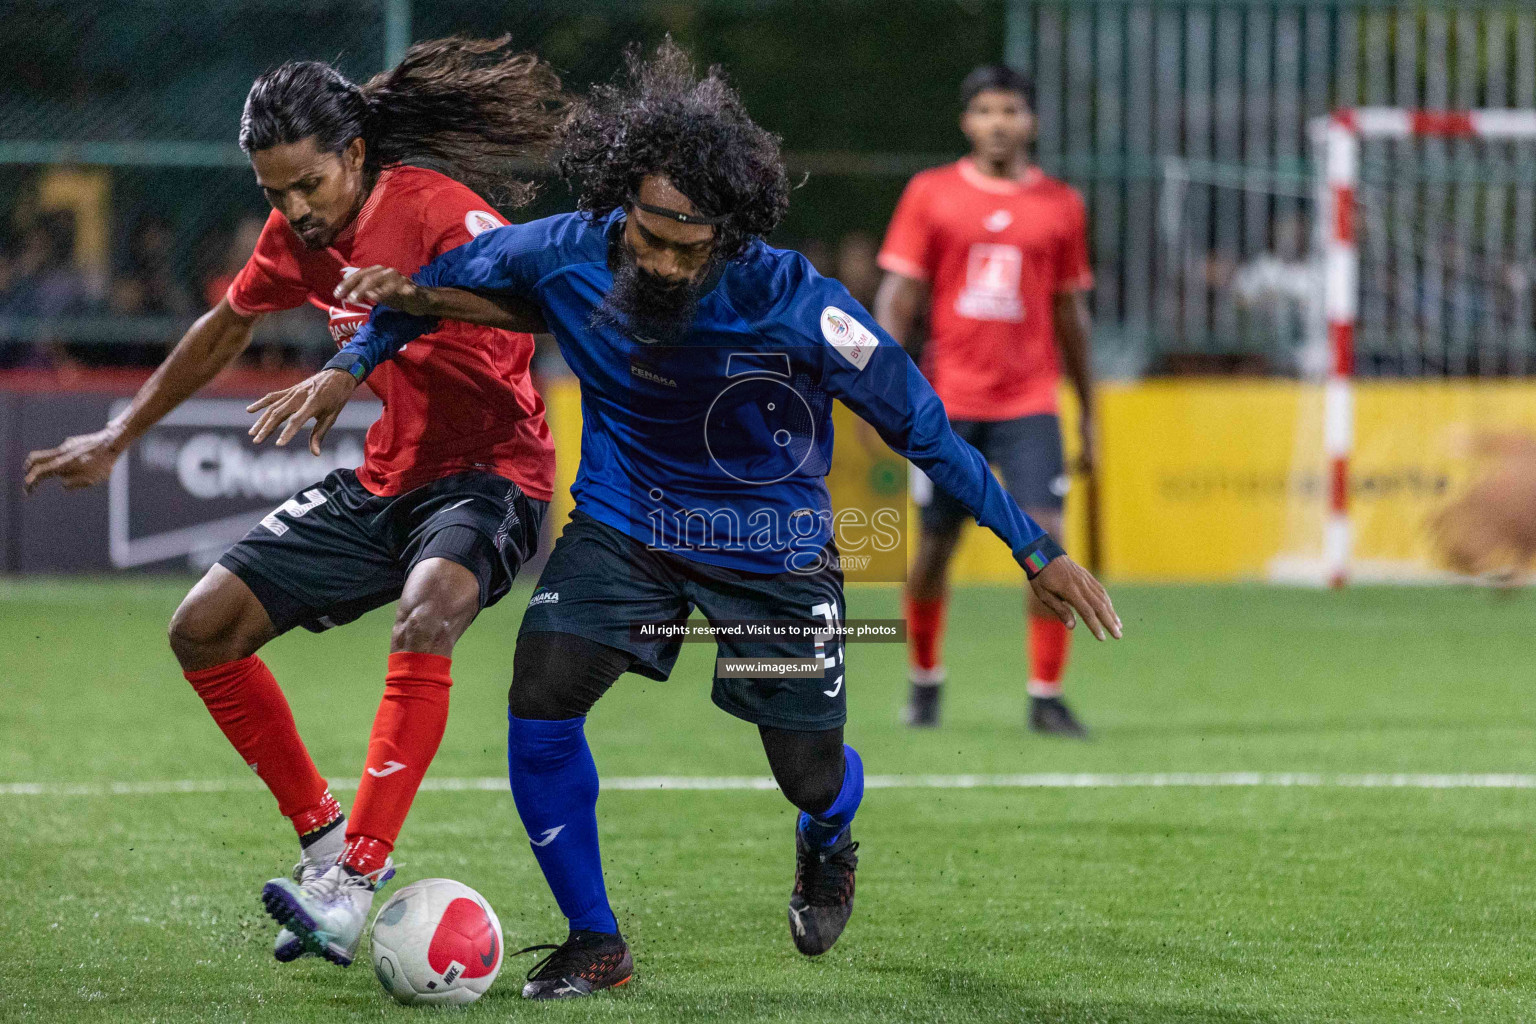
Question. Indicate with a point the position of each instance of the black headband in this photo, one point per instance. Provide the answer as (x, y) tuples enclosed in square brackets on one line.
[(678, 215)]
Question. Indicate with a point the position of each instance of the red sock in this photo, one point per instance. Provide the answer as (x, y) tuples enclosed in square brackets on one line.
[(406, 732), (925, 637), (250, 708), (1049, 640)]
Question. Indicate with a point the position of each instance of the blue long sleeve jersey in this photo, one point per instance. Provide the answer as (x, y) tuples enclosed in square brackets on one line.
[(717, 448)]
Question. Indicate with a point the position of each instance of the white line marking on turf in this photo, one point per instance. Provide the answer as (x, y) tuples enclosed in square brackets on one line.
[(1053, 780)]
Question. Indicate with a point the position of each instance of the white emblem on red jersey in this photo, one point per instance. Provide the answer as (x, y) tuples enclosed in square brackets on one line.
[(477, 222), (991, 289), (998, 220)]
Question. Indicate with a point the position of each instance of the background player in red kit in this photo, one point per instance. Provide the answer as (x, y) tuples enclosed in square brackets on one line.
[(459, 467), (1000, 251)]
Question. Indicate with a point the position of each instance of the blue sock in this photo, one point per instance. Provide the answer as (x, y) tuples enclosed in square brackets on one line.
[(824, 829), (554, 784)]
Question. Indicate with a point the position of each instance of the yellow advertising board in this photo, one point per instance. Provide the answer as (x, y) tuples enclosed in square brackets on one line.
[(1226, 479), (1199, 479), (1413, 456), (1195, 476), (562, 400)]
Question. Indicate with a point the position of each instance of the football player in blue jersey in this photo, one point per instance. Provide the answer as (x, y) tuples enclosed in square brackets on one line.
[(708, 361)]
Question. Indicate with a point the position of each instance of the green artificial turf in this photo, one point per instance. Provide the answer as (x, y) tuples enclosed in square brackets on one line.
[(1045, 904)]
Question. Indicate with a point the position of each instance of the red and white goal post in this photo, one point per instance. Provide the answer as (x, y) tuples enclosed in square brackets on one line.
[(1458, 237)]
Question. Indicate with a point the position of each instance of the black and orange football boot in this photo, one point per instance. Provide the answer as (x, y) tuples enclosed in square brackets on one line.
[(822, 900), (584, 963)]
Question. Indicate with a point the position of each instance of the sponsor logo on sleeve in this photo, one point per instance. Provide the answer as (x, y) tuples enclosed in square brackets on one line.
[(477, 222), (852, 340)]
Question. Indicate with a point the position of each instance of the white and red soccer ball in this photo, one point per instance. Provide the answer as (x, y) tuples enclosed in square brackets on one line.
[(436, 941)]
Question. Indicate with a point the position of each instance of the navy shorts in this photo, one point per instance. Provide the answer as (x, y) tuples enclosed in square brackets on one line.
[(337, 550), (1027, 454), (600, 582)]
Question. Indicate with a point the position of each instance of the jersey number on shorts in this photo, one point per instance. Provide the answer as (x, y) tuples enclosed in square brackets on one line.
[(830, 661), (294, 508)]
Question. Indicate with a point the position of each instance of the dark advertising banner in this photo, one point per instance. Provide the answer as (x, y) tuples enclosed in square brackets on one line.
[(195, 484), (182, 494)]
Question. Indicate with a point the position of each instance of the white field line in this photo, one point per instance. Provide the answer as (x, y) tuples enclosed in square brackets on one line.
[(1054, 780)]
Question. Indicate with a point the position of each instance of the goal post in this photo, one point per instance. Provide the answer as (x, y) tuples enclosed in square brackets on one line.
[(1424, 227), (1341, 303)]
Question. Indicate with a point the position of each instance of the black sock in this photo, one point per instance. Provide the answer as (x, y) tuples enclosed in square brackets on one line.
[(926, 695)]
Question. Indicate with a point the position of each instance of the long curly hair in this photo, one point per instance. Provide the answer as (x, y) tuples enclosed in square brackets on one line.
[(662, 118), (465, 105)]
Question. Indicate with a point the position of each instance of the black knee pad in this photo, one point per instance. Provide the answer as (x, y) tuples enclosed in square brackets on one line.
[(556, 676), (808, 766)]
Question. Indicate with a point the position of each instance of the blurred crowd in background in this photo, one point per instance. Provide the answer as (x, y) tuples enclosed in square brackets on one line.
[(45, 290), (41, 281)]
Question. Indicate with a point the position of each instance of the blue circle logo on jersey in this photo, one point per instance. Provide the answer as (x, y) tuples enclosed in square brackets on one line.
[(759, 429)]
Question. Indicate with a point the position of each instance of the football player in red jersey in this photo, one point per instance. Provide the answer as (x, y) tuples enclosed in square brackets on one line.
[(459, 467), (999, 251)]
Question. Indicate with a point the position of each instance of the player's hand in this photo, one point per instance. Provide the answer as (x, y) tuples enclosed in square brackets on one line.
[(381, 286), (320, 398), (81, 461), (1068, 588)]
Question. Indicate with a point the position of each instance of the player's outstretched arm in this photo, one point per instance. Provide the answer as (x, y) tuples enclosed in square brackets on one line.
[(877, 380), (922, 433), (383, 286), (403, 311), (892, 396), (209, 345), (496, 268)]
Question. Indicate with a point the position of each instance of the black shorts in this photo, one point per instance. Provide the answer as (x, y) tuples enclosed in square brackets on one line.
[(1027, 453), (600, 581), (336, 550)]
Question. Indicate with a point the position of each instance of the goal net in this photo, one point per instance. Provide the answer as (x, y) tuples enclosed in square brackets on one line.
[(1425, 244)]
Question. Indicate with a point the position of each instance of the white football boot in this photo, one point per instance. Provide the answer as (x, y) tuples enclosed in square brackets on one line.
[(314, 860), (329, 913)]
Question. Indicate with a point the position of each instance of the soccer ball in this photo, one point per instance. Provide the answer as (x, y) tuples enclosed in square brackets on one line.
[(436, 941)]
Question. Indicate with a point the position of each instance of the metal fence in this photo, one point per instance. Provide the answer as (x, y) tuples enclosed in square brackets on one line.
[(1447, 270), (1185, 124), (1182, 121)]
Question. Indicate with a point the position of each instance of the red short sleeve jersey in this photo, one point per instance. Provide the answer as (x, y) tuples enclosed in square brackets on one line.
[(457, 399), (995, 253)]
